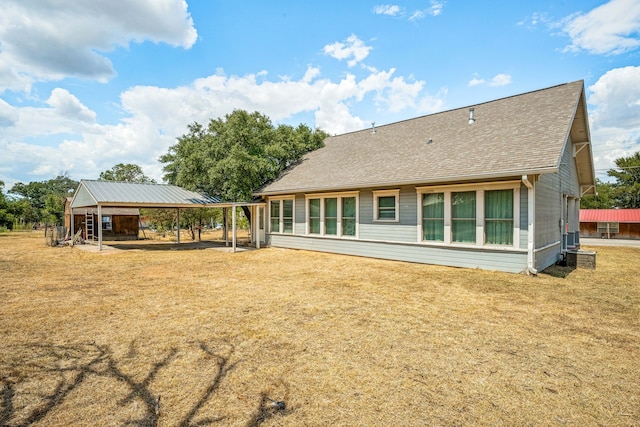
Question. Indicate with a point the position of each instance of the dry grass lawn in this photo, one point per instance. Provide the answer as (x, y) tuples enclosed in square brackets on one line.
[(205, 337)]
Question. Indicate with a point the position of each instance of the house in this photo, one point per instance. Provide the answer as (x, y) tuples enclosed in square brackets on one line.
[(117, 223), (494, 186), (610, 223)]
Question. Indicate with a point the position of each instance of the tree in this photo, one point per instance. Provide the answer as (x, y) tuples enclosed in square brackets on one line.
[(6, 218), (125, 173), (603, 200), (234, 156), (41, 194), (626, 190)]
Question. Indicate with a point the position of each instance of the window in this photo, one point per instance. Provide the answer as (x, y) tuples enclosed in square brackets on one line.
[(332, 214), (314, 216), (348, 216), (498, 217), (608, 227), (281, 215), (106, 222), (433, 217), (287, 216), (463, 217), (476, 214), (274, 214), (386, 204)]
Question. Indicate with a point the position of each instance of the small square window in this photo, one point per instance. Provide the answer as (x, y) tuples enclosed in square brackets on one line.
[(386, 205)]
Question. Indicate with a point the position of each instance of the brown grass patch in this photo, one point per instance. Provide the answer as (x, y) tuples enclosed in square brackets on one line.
[(205, 337)]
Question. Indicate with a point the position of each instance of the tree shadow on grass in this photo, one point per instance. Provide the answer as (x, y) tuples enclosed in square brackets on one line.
[(72, 365)]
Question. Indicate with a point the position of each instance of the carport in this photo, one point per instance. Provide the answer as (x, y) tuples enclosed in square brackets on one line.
[(112, 194)]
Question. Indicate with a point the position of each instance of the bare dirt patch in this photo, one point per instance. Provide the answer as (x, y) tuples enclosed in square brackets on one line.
[(280, 337)]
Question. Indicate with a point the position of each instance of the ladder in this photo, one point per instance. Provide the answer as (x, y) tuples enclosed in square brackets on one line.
[(88, 222)]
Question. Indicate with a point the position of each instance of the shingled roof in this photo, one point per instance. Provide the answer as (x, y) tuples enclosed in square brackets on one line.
[(522, 134)]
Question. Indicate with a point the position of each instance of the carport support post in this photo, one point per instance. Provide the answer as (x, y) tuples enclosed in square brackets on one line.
[(257, 226), (178, 222), (99, 227), (233, 226)]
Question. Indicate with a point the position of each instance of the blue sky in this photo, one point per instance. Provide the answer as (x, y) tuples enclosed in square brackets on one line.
[(97, 82)]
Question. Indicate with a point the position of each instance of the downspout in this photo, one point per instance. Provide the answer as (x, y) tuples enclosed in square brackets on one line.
[(531, 215)]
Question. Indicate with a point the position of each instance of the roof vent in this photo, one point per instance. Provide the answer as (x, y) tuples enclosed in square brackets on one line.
[(430, 140), (471, 118), (373, 127)]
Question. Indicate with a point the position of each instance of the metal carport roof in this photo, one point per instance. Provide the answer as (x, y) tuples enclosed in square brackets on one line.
[(98, 193)]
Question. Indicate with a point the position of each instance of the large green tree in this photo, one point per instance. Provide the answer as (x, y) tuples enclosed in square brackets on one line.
[(603, 200), (46, 198), (235, 155), (128, 172), (626, 190), (6, 218)]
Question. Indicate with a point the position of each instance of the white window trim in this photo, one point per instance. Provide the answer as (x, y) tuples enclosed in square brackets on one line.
[(386, 193), (322, 197), (281, 218), (480, 220)]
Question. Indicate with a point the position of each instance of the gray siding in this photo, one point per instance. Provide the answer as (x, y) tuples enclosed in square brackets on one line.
[(502, 260), (524, 218), (403, 231), (568, 173), (548, 210), (547, 257)]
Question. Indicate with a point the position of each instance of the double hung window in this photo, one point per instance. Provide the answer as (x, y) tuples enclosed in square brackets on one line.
[(332, 214), (433, 217), (463, 217), (498, 217), (386, 205), (482, 214), (281, 215)]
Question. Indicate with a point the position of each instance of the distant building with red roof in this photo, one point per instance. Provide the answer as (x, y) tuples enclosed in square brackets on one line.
[(610, 223)]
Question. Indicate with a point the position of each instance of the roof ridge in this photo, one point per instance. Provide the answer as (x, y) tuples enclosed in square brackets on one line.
[(463, 107)]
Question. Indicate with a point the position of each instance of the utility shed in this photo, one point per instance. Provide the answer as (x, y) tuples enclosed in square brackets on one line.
[(109, 196), (116, 223), (610, 223)]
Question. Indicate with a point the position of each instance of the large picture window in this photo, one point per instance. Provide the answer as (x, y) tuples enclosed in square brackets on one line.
[(281, 215), (433, 217), (498, 217), (463, 217), (332, 214), (470, 214)]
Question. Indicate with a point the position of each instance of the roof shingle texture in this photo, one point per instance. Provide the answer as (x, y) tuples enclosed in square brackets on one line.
[(520, 134)]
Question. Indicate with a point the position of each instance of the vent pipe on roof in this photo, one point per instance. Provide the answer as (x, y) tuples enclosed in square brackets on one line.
[(373, 127), (471, 118)]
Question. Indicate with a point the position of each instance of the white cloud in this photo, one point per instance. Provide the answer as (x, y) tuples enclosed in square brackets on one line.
[(353, 47), (615, 105), (434, 10), (156, 116), (497, 80), (50, 40), (500, 80), (476, 81), (70, 107), (616, 96), (611, 28), (387, 9)]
